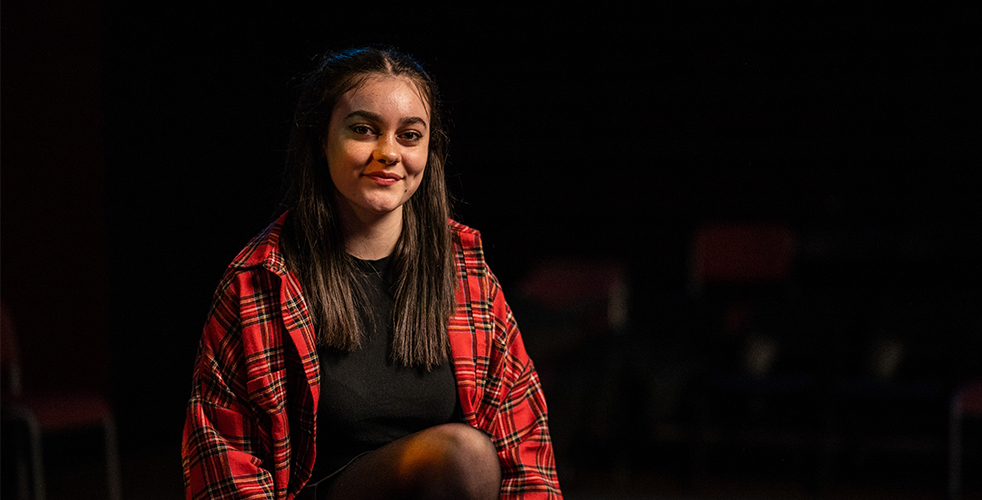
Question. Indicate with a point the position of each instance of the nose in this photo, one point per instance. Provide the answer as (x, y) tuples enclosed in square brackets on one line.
[(386, 152)]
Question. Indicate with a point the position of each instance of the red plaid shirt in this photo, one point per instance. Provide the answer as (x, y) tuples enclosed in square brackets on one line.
[(251, 421)]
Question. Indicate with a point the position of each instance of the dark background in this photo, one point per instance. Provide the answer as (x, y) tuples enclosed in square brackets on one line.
[(143, 145)]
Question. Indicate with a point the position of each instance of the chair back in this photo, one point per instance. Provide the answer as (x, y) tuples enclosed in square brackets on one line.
[(742, 253)]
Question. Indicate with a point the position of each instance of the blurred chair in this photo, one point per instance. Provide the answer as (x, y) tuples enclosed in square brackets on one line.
[(887, 398), (741, 273), (594, 292), (758, 391), (50, 412), (738, 272), (966, 402), (573, 313), (742, 253)]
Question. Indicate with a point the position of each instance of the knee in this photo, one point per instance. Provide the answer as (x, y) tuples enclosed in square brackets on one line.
[(462, 463), (468, 448)]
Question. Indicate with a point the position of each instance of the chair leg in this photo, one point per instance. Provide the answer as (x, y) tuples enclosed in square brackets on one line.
[(955, 451), (23, 451), (113, 474), (37, 463)]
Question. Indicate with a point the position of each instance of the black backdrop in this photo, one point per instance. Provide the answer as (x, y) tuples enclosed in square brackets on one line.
[(597, 131)]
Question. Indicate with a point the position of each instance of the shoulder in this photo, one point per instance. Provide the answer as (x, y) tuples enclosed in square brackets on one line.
[(467, 237), (258, 267), (460, 229), (263, 250), (469, 253)]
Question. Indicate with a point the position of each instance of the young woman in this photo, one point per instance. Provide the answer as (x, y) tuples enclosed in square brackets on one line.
[(360, 347)]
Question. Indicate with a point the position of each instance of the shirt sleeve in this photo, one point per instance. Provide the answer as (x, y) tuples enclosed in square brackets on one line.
[(521, 424), (230, 447)]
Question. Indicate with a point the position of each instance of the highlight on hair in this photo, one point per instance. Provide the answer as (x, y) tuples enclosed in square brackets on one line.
[(313, 239)]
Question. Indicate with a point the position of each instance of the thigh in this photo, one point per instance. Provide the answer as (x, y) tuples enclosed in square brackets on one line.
[(446, 461)]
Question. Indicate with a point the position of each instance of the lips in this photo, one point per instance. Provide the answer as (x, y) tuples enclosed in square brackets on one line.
[(384, 178)]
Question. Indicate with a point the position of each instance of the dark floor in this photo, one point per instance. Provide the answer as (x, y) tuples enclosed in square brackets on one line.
[(75, 471)]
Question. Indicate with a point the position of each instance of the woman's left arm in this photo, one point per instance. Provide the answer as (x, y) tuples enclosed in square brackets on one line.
[(525, 450)]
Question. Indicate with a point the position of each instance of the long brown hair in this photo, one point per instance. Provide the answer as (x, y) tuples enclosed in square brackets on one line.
[(313, 241)]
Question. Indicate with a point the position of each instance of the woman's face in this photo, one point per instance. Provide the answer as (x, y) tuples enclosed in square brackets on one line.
[(376, 146)]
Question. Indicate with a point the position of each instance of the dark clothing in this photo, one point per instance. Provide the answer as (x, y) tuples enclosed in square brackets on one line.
[(367, 402)]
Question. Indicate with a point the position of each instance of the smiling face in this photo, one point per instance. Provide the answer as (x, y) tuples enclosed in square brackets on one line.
[(376, 146)]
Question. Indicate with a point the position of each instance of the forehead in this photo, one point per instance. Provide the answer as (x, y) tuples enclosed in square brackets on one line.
[(388, 96)]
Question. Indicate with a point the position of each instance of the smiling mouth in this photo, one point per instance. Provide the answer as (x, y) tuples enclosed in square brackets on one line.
[(384, 175), (384, 178)]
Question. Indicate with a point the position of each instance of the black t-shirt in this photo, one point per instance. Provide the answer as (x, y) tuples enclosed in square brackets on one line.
[(366, 401)]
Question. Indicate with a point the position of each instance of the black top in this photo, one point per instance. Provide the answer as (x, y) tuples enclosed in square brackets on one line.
[(366, 401)]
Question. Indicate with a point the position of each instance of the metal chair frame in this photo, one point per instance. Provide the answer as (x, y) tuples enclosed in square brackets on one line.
[(43, 412)]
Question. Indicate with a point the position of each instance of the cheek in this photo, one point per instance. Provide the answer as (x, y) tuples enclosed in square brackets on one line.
[(344, 160), (415, 174), (335, 152), (416, 164)]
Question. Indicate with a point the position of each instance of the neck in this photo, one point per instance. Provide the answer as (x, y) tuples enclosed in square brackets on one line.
[(370, 236)]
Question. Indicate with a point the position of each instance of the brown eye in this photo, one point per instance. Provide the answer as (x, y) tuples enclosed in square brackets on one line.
[(412, 136), (361, 129)]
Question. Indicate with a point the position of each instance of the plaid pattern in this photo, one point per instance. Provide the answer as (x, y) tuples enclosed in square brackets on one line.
[(250, 427)]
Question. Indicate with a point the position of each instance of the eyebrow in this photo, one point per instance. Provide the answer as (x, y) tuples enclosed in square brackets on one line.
[(409, 120)]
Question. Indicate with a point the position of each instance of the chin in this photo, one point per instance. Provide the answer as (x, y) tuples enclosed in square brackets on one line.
[(381, 210)]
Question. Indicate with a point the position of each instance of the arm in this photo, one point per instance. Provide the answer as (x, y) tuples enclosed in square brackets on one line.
[(521, 424), (232, 423)]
